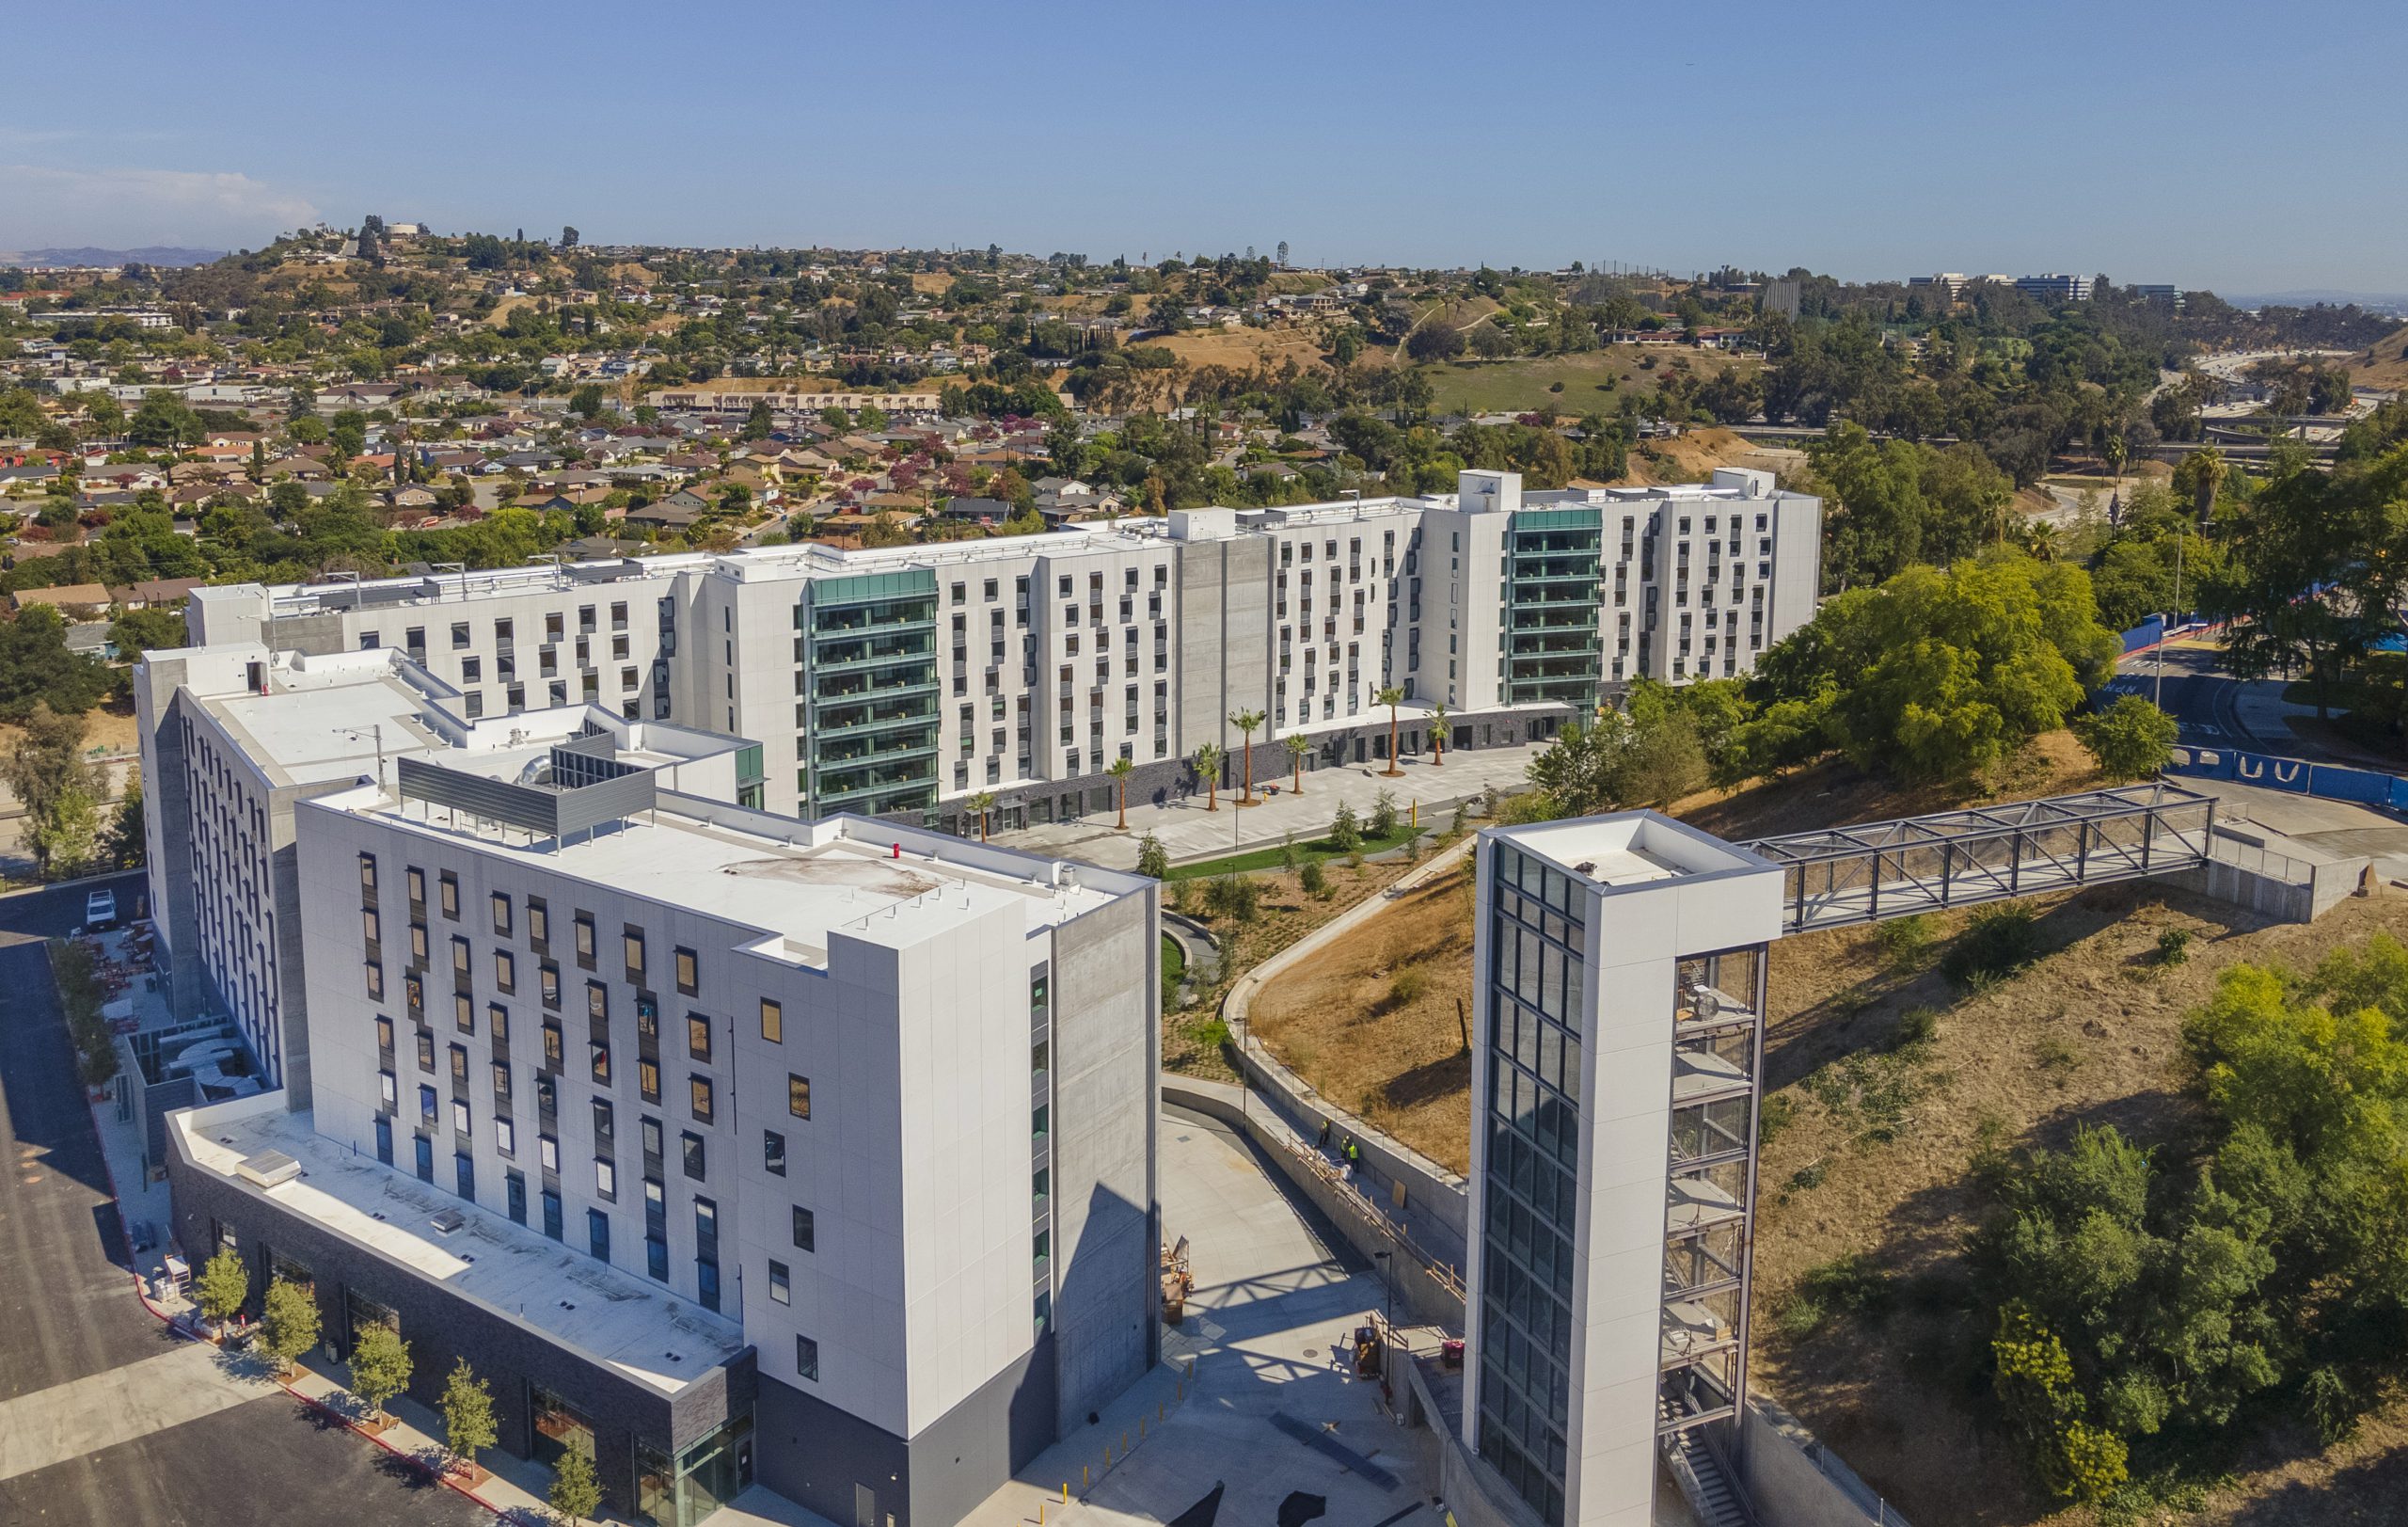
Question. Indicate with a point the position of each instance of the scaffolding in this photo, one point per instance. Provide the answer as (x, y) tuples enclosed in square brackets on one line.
[(1878, 870)]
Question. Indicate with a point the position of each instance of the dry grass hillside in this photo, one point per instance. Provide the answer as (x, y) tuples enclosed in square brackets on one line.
[(1883, 1080), (1376, 1021), (2384, 364)]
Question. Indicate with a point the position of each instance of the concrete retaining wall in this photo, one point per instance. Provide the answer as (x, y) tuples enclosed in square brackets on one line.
[(1424, 1295), (1426, 1201), (2272, 895), (1793, 1480)]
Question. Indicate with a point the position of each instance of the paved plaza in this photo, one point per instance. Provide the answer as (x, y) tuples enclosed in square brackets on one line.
[(1189, 831)]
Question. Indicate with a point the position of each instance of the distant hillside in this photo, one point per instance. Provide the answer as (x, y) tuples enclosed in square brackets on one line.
[(157, 255), (2384, 365)]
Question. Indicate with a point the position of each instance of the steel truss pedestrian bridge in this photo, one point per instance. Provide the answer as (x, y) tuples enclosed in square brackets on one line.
[(1878, 870)]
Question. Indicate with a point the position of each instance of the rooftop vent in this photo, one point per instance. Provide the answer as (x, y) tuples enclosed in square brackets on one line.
[(448, 1221), (268, 1169)]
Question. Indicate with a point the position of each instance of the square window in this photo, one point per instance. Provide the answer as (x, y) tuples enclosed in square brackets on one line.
[(501, 914), (606, 1178), (692, 1154), (780, 1287), (687, 978), (547, 1150), (806, 1231), (601, 1060), (773, 1022), (450, 895), (773, 1153), (505, 1137), (648, 1079), (698, 1036), (634, 943), (799, 1096), (806, 1358), (699, 1097)]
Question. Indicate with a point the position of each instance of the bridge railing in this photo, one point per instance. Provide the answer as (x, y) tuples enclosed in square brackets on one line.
[(1878, 870)]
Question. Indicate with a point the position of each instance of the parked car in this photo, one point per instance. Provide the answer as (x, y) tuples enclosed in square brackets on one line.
[(100, 911)]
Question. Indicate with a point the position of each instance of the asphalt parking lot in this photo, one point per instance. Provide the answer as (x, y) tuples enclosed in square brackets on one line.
[(68, 1305)]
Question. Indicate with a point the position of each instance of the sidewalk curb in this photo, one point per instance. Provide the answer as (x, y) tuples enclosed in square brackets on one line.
[(442, 1478)]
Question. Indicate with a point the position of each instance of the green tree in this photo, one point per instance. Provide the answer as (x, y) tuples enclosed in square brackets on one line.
[(576, 1494), (2297, 582), (1382, 824), (223, 1286), (163, 420), (1345, 833), (1937, 675), (1391, 696), (348, 433), (122, 844), (1208, 768), (2131, 740), (36, 668), (1152, 858), (1247, 723), (380, 1367), (288, 1323), (1120, 769), (1299, 748), (468, 1414), (137, 632), (757, 425), (586, 401), (60, 791)]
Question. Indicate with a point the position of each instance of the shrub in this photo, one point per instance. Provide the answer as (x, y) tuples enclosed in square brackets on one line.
[(1383, 822), (1776, 1114), (1152, 858), (1314, 879), (1917, 1025), (2129, 740), (1407, 985), (2000, 941), (2173, 945), (1905, 942), (1233, 897), (1345, 833)]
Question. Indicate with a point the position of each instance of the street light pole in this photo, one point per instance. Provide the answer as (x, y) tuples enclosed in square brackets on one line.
[(2176, 613)]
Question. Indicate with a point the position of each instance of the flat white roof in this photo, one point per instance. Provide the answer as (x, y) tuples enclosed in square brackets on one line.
[(794, 881), (312, 735), (1632, 849), (613, 1318)]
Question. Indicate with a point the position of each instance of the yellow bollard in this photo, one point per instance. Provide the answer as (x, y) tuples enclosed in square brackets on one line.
[(1107, 1456), (1085, 1479), (1066, 1493), (1124, 1442), (1040, 1513)]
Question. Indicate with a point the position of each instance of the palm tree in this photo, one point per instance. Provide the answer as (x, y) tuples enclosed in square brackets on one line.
[(1438, 735), (1207, 765), (1247, 721), (983, 803), (1120, 770), (1391, 697), (1297, 747)]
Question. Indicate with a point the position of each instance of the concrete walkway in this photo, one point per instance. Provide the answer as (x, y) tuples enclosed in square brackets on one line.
[(71, 1420), (1189, 831), (1271, 1408), (515, 1489)]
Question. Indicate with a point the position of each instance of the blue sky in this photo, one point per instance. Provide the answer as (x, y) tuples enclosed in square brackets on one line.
[(2215, 145)]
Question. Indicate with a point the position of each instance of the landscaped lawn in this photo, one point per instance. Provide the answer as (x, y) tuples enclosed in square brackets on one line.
[(1318, 848)]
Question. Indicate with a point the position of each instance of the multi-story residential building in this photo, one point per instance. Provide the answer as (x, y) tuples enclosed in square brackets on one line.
[(726, 1147), (1619, 1003), (902, 681), (235, 737)]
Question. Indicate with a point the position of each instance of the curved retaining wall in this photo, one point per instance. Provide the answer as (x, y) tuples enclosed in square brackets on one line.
[(1423, 1201)]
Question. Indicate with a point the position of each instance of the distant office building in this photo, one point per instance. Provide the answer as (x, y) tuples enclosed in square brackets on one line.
[(2054, 287), (1948, 285), (1779, 296), (1619, 1010), (2157, 291)]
